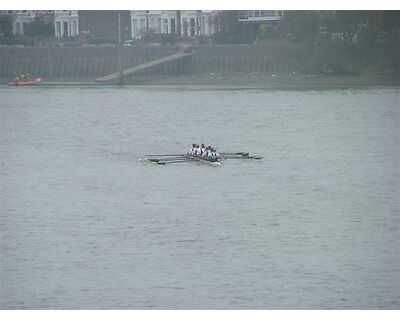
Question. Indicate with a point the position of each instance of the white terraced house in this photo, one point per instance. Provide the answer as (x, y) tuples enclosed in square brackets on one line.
[(193, 22), (66, 23), (260, 16), (22, 18)]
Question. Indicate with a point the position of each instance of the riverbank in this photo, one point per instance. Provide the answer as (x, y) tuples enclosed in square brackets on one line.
[(244, 80), (214, 65), (263, 79)]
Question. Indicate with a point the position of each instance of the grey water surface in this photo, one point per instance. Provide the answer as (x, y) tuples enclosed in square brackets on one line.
[(86, 225)]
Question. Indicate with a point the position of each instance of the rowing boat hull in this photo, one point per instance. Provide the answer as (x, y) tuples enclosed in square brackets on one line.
[(204, 161)]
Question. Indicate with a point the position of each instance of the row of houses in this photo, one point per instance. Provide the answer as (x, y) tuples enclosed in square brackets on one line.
[(134, 24), (65, 22)]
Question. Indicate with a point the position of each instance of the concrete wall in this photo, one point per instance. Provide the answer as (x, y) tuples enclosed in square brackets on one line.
[(91, 63), (249, 58), (74, 63)]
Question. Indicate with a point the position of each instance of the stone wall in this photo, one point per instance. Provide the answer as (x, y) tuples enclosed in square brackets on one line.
[(74, 63), (91, 63), (249, 58)]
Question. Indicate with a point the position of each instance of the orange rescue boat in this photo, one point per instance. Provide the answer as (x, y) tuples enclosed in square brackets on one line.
[(30, 82)]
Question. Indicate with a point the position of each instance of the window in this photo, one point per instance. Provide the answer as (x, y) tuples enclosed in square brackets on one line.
[(165, 25), (242, 15), (173, 29), (65, 29), (76, 31), (58, 29), (134, 27), (192, 27), (142, 23), (185, 27)]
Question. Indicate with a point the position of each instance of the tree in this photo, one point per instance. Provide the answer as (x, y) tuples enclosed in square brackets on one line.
[(6, 28), (300, 25), (39, 28), (228, 27), (263, 34), (391, 22)]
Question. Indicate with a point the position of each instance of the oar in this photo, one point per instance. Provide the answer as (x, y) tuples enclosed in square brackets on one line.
[(164, 155), (243, 157), (176, 161), (235, 153), (234, 156), (165, 159)]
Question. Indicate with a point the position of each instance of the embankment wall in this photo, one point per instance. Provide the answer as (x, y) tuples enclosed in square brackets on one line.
[(91, 63)]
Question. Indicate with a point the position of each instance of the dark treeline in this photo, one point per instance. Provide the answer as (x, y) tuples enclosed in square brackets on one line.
[(345, 41), (348, 41), (311, 26)]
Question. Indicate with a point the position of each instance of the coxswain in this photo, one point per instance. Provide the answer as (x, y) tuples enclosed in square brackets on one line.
[(192, 150)]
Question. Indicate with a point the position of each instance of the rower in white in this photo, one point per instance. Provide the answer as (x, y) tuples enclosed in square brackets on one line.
[(218, 155), (203, 152), (192, 150), (198, 151), (203, 149), (206, 153), (212, 155)]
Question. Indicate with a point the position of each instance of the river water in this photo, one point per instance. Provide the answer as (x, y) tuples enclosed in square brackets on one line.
[(86, 225)]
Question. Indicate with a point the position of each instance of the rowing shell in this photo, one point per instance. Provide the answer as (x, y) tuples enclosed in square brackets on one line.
[(205, 161)]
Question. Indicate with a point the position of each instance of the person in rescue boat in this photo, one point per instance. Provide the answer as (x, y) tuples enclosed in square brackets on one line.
[(192, 150)]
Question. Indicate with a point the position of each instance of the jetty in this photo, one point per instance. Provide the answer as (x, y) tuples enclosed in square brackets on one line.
[(144, 66)]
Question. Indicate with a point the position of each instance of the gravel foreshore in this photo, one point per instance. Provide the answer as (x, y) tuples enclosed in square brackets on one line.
[(244, 80), (268, 80)]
